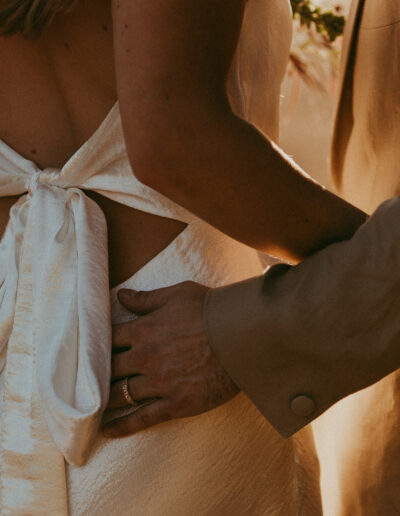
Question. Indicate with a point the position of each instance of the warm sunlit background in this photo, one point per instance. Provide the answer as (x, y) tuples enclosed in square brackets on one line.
[(308, 99)]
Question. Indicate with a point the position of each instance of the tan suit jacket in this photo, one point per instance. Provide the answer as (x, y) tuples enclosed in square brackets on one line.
[(331, 325)]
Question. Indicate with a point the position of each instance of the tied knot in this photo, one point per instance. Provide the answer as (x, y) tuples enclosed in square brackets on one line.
[(48, 177)]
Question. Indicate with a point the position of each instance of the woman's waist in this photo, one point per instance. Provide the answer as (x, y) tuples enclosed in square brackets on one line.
[(199, 253), (134, 236)]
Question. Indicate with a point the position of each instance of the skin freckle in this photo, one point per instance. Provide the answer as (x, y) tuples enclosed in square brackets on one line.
[(105, 28), (66, 45), (33, 151)]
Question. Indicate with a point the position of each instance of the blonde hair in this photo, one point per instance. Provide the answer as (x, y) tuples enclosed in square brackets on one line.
[(30, 17)]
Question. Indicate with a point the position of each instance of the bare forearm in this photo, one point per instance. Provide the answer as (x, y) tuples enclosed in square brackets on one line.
[(172, 60), (226, 172)]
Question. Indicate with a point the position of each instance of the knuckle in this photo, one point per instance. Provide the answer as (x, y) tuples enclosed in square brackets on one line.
[(145, 351), (137, 334), (130, 333), (145, 355), (122, 334), (117, 333), (141, 332), (123, 364)]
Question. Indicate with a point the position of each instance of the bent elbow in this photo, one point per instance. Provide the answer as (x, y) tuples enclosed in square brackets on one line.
[(159, 162)]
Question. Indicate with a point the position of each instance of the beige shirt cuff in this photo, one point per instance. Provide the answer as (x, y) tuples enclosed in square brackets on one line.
[(300, 338)]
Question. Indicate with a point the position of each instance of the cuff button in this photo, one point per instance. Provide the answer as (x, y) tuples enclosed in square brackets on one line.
[(302, 405)]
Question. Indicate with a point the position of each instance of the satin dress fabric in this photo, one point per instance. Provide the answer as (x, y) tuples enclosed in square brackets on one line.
[(55, 334)]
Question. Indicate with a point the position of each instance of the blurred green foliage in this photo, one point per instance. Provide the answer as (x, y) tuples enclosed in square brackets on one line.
[(327, 22)]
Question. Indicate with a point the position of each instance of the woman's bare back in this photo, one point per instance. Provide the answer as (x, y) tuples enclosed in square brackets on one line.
[(54, 93)]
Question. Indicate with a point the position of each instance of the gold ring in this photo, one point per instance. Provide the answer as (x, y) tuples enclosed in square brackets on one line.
[(127, 395)]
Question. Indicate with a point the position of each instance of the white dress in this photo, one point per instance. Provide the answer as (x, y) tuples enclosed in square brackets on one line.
[(55, 338)]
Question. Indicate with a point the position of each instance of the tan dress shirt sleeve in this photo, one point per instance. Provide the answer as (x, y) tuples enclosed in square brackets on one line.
[(300, 338)]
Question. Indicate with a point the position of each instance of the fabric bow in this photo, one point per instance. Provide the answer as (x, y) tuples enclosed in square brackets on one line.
[(56, 236)]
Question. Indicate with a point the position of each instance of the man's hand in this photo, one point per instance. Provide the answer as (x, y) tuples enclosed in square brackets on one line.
[(165, 355)]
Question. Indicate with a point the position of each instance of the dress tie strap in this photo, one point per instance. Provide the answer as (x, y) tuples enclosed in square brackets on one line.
[(55, 332)]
